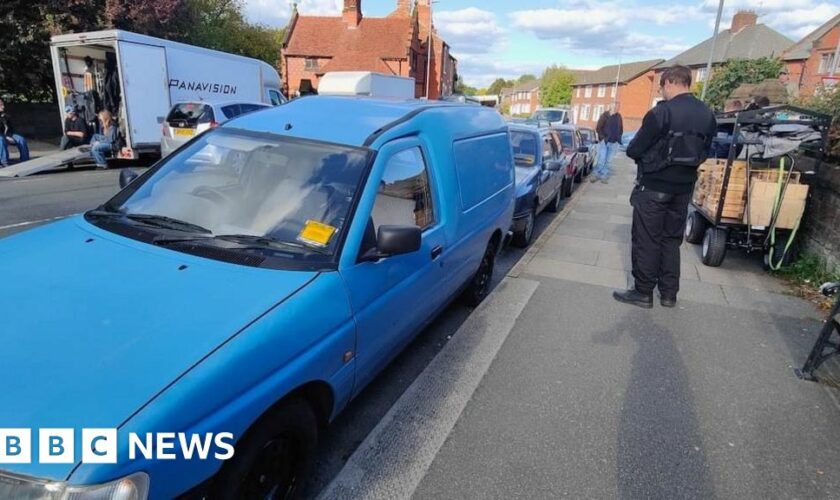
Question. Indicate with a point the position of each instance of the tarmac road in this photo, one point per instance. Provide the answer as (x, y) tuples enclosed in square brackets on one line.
[(32, 201)]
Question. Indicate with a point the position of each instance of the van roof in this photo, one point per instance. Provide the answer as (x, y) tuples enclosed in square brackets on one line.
[(354, 121)]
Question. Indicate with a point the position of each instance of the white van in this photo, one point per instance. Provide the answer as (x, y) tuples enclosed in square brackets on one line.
[(366, 83), (138, 78)]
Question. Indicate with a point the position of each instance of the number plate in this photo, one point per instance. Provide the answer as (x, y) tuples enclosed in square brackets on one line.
[(184, 132)]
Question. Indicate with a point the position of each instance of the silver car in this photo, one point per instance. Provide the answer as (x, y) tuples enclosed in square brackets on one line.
[(188, 119)]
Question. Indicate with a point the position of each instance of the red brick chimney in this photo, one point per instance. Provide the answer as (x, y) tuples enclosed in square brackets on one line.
[(743, 19), (352, 13), (424, 12), (403, 8)]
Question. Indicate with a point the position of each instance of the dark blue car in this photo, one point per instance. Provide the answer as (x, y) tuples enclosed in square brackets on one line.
[(539, 177)]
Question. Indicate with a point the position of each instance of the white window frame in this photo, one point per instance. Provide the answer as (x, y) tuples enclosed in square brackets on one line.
[(597, 112), (584, 112), (602, 90), (825, 63), (700, 76), (578, 92), (613, 90), (587, 91)]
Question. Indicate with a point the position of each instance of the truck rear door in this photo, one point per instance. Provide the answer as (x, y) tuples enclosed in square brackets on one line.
[(145, 91)]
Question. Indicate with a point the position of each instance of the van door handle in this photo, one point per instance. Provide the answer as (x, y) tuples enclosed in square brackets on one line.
[(436, 252)]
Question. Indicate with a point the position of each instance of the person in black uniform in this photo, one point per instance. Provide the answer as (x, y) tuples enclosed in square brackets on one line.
[(673, 141), (75, 129)]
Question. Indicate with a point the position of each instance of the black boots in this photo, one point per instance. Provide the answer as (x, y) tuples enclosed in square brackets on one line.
[(635, 298), (668, 301)]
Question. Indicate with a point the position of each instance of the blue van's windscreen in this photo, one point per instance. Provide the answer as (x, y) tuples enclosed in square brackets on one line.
[(484, 167)]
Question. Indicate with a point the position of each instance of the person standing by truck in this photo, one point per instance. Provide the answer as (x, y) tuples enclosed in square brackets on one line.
[(102, 144), (674, 140), (75, 129), (9, 137)]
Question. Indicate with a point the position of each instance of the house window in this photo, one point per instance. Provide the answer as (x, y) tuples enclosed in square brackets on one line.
[(613, 90), (598, 111), (576, 111), (584, 112), (578, 92), (602, 90), (701, 75), (587, 91), (311, 64), (826, 61)]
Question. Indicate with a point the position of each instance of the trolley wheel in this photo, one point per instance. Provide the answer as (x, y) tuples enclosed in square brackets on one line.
[(778, 250), (714, 246), (695, 228)]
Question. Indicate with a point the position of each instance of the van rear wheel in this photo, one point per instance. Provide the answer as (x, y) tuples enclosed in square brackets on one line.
[(479, 286), (274, 457)]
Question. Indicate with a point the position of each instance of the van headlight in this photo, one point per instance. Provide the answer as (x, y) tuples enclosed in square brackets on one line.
[(133, 487)]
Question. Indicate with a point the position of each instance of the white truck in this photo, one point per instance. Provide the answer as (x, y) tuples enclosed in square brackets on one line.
[(138, 78), (366, 83)]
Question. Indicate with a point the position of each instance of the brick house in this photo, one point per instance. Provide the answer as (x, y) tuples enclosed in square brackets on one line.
[(525, 98), (594, 91), (396, 45), (810, 59), (745, 39)]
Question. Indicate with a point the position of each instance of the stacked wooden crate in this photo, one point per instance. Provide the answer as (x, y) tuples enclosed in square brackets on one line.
[(709, 188)]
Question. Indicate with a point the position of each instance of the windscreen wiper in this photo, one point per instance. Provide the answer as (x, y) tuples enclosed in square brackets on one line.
[(168, 223), (265, 241)]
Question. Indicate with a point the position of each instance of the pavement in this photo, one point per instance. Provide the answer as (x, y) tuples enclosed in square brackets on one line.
[(552, 389)]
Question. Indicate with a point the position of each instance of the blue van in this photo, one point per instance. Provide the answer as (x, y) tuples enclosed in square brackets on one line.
[(251, 283)]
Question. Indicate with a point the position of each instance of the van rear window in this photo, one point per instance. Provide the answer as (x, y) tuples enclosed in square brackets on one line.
[(190, 114), (484, 167)]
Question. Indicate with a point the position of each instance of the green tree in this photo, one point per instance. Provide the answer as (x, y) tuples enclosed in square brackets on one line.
[(498, 84), (736, 72), (556, 86), (526, 78), (463, 88), (827, 101)]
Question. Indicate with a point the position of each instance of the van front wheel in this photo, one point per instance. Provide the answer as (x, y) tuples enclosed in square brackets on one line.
[(274, 457), (479, 286)]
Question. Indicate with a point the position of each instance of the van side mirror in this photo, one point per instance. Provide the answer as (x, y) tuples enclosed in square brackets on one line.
[(160, 120), (394, 240), (554, 165), (126, 176)]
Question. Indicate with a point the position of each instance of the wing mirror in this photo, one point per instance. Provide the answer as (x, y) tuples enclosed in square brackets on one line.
[(554, 165), (126, 176), (394, 240)]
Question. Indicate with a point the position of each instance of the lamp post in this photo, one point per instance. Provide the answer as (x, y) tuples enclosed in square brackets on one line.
[(617, 76), (712, 52)]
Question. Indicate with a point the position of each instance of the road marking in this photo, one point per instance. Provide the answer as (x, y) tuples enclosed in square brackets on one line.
[(29, 223), (395, 456)]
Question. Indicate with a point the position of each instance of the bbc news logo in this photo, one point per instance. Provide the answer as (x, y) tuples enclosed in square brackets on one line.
[(99, 446)]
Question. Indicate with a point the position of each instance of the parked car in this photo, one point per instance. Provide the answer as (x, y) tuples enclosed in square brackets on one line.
[(187, 119), (253, 282), (552, 116), (539, 178), (589, 138), (573, 152)]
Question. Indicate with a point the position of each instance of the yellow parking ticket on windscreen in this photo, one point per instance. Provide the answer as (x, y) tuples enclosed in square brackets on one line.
[(316, 233)]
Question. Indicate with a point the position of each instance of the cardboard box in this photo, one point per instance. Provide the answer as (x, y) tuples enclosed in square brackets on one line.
[(762, 198)]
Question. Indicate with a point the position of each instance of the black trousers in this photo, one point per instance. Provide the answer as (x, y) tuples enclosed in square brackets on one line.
[(658, 227)]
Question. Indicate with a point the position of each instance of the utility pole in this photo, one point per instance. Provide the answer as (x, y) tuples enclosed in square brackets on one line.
[(712, 52), (617, 76)]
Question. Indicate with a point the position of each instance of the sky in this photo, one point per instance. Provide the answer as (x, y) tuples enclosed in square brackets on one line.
[(507, 38)]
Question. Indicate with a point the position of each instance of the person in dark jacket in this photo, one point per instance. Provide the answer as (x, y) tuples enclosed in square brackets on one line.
[(673, 141), (75, 129), (610, 128), (8, 137)]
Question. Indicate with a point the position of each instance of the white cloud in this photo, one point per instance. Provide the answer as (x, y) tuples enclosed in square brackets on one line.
[(277, 12), (481, 70), (792, 18), (470, 31), (604, 28)]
